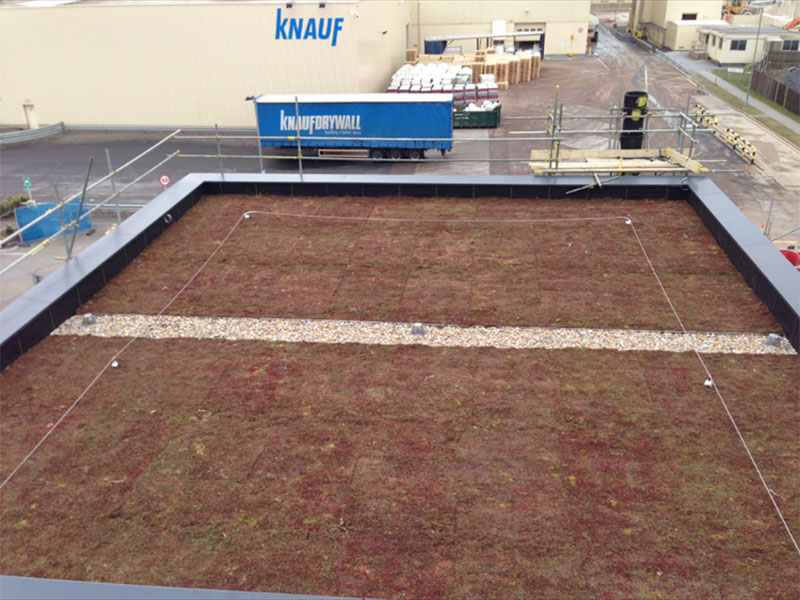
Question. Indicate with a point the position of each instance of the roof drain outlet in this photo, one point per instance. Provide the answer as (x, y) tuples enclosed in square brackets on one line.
[(773, 339)]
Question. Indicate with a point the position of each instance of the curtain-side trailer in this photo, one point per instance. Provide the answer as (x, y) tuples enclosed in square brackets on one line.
[(380, 125)]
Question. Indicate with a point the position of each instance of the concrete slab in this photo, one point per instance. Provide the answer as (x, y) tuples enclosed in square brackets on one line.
[(705, 69), (51, 257)]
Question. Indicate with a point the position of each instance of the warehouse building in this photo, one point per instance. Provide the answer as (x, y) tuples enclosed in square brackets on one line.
[(125, 63), (685, 35), (672, 24), (564, 23)]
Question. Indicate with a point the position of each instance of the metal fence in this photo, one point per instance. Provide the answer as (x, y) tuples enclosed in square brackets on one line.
[(29, 135), (80, 209), (677, 125), (547, 131), (766, 84)]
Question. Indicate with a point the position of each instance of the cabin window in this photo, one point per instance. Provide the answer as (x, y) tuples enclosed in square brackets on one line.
[(689, 17), (738, 44), (791, 45)]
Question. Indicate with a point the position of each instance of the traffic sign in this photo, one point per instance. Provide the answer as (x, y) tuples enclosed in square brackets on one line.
[(27, 184), (164, 180)]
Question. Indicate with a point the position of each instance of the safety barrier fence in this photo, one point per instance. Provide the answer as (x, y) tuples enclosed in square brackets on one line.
[(685, 130), (30, 135)]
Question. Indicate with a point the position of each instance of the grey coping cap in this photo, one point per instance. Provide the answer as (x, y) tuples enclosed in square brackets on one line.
[(34, 588)]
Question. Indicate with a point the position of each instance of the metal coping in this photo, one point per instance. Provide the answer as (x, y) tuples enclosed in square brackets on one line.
[(38, 311), (34, 588)]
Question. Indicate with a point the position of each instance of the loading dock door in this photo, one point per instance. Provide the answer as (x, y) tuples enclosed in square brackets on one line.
[(522, 43)]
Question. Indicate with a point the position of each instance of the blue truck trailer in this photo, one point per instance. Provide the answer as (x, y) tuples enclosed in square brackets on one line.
[(378, 125)]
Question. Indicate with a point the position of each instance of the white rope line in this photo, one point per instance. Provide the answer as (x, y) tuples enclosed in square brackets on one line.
[(119, 353), (732, 420), (247, 214)]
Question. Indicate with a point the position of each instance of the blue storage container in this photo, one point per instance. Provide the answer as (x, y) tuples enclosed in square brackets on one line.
[(435, 46), (404, 122), (51, 223)]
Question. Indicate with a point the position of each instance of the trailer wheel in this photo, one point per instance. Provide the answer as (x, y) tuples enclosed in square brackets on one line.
[(396, 154), (377, 153), (415, 154), (442, 151)]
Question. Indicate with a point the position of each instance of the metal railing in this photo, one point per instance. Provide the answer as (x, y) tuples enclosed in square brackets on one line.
[(686, 129), (29, 135), (554, 135), (74, 223), (71, 226), (109, 176)]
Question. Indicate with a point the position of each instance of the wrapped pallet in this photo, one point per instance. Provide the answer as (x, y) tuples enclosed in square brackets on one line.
[(477, 71), (434, 72)]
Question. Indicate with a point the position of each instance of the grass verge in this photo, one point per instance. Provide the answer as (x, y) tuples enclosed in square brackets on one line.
[(742, 81)]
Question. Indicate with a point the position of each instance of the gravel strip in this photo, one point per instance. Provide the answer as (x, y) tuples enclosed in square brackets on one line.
[(392, 334)]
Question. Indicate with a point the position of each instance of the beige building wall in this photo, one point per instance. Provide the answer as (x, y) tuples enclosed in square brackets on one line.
[(680, 36), (725, 56), (565, 21), (673, 10), (612, 3), (169, 64), (654, 16), (193, 63)]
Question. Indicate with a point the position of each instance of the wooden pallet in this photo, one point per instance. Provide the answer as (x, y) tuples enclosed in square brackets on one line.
[(507, 69), (646, 160)]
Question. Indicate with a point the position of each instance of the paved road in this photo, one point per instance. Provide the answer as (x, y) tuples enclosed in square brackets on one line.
[(763, 195), (63, 160), (706, 70), (46, 260), (587, 85)]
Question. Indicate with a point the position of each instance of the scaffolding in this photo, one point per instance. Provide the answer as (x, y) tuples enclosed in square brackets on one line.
[(677, 158), (681, 154)]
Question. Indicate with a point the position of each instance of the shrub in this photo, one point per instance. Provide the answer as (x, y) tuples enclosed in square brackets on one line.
[(11, 203)]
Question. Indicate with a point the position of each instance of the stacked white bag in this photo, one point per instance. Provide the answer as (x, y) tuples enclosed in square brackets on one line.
[(486, 106), (429, 77)]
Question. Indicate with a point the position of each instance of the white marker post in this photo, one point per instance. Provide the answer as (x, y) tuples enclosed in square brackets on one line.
[(27, 184)]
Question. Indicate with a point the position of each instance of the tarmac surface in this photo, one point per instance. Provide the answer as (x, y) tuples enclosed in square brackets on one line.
[(587, 85)]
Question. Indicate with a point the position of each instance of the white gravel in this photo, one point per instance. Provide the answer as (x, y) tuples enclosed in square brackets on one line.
[(383, 333)]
